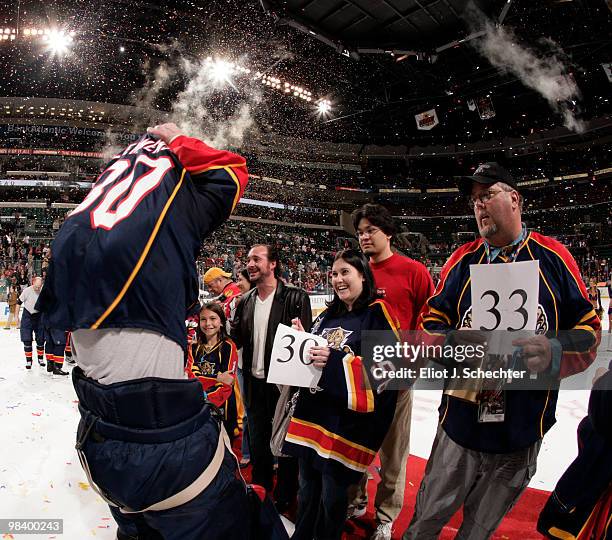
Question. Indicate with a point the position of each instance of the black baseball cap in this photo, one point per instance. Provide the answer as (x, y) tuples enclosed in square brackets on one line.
[(486, 173)]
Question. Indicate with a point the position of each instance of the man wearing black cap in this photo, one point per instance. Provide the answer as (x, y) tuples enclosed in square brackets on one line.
[(480, 460), (488, 182)]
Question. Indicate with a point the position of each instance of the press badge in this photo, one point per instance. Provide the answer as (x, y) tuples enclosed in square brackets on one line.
[(492, 407)]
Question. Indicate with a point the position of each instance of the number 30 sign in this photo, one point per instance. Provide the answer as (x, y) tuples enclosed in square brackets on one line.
[(289, 362), (505, 297)]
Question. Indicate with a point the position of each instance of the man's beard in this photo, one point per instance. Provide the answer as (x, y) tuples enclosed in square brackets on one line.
[(262, 276), (488, 230)]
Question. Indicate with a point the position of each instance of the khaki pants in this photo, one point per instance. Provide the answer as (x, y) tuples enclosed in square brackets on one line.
[(13, 316), (487, 485), (393, 454)]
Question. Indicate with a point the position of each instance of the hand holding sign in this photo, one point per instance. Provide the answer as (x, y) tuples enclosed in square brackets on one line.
[(291, 362), (318, 355), (536, 352), (505, 297)]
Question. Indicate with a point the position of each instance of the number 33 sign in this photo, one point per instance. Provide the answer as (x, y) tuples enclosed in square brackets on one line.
[(289, 362), (505, 297)]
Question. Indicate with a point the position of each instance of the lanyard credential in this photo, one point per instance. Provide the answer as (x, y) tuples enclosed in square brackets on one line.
[(510, 251)]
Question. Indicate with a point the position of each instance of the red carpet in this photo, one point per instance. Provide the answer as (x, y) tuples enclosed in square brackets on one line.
[(519, 524)]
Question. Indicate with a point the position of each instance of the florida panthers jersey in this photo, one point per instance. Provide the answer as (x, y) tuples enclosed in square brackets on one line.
[(125, 257)]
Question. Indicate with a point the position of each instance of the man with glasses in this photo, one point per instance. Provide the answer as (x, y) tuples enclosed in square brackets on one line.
[(481, 461), (405, 284)]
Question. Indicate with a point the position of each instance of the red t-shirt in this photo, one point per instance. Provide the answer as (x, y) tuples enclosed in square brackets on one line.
[(405, 284)]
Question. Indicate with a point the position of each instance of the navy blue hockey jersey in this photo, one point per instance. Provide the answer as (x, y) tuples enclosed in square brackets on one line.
[(125, 257), (562, 306), (341, 425)]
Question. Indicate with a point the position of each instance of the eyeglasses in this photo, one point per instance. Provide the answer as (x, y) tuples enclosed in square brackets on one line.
[(369, 232), (483, 198)]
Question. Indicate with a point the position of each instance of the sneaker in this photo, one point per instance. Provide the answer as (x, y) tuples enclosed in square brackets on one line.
[(29, 363), (355, 512), (57, 370), (383, 532)]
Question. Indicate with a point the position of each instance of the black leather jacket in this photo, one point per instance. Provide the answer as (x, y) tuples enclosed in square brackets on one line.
[(289, 302)]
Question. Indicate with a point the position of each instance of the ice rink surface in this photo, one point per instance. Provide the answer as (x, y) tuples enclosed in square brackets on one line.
[(40, 474)]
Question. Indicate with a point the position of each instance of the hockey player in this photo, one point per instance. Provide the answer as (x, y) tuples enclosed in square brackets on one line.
[(55, 343), (68, 350), (149, 442), (31, 324), (580, 507)]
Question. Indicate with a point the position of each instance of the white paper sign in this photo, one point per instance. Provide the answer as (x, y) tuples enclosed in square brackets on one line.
[(505, 299), (289, 362)]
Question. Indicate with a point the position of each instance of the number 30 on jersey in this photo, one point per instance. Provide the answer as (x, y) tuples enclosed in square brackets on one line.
[(120, 192)]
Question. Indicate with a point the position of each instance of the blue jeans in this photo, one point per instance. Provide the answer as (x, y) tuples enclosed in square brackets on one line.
[(322, 505)]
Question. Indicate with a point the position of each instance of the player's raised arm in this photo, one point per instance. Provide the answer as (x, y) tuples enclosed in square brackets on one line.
[(219, 171)]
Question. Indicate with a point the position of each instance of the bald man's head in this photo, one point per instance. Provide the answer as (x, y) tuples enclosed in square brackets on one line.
[(37, 284)]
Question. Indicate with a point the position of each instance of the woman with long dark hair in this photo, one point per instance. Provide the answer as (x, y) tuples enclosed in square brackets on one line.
[(337, 428)]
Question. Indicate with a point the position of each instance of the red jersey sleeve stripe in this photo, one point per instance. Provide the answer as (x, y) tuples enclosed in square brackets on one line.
[(454, 260), (566, 258), (198, 158), (359, 394)]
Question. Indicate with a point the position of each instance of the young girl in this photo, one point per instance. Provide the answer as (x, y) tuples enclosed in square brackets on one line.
[(213, 358)]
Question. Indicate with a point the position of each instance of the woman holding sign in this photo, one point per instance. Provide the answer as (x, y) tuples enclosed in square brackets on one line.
[(338, 427)]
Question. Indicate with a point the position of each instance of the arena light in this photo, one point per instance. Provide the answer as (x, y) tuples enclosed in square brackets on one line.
[(221, 71), (7, 34), (324, 107), (284, 86), (58, 42)]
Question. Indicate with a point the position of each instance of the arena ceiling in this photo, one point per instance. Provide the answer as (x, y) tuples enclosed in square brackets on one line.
[(379, 62)]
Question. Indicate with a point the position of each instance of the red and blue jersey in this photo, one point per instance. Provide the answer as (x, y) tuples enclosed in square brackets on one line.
[(564, 312), (340, 425), (205, 365), (125, 257), (230, 292)]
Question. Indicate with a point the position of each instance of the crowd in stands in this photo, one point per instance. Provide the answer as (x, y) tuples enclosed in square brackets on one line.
[(591, 263), (21, 259), (27, 136), (306, 253), (288, 215), (431, 220), (551, 196)]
